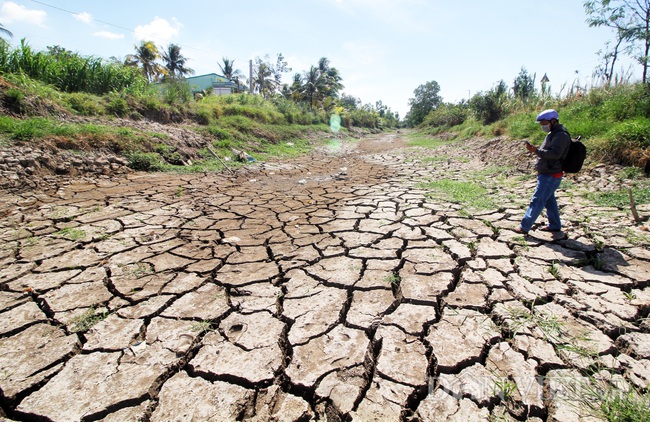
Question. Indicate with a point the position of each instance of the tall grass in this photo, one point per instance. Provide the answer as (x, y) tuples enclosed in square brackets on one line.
[(613, 121), (70, 72)]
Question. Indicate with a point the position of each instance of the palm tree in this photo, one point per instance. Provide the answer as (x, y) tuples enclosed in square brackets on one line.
[(175, 62), (5, 31), (263, 81), (228, 70), (145, 57)]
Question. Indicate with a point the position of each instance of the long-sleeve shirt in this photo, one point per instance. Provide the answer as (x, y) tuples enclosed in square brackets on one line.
[(552, 151)]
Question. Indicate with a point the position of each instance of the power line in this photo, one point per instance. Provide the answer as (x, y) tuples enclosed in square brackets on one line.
[(125, 29)]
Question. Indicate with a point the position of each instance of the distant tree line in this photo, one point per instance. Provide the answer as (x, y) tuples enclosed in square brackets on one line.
[(630, 22)]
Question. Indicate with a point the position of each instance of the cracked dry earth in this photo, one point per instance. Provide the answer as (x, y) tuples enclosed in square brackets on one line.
[(322, 288)]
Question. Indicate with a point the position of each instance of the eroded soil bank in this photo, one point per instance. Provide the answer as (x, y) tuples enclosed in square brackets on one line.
[(326, 288)]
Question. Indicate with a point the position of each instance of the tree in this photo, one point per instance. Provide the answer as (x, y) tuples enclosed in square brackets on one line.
[(145, 57), (426, 99), (228, 70), (58, 51), (524, 85), (318, 87), (489, 107), (175, 62), (267, 77), (5, 31), (631, 21), (605, 70), (349, 102)]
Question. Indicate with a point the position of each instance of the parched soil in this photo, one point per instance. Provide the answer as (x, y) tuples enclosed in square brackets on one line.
[(328, 287)]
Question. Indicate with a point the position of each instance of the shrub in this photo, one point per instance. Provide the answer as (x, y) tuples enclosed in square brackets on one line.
[(447, 114), (490, 107), (144, 161), (85, 104), (118, 106), (14, 99)]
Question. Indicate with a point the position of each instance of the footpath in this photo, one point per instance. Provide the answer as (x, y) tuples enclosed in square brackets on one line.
[(330, 287)]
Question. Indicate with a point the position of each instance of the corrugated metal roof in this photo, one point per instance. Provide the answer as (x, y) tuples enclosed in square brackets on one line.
[(211, 80)]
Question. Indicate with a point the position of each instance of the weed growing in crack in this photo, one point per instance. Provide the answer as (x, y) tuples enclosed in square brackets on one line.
[(636, 238), (504, 388), (201, 326), (549, 325), (521, 242), (392, 279), (472, 247), (180, 191), (31, 241), (86, 320), (629, 295), (71, 233), (606, 400), (554, 269), (495, 229)]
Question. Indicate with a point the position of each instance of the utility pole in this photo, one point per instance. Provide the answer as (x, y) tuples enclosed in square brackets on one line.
[(250, 69)]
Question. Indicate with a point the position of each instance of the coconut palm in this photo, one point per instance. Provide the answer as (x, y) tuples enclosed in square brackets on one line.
[(175, 62), (145, 57), (228, 70), (263, 81), (5, 31)]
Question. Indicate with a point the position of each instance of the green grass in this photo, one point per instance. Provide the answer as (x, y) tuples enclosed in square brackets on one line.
[(468, 194), (618, 406), (71, 233), (418, 140), (86, 320), (621, 198)]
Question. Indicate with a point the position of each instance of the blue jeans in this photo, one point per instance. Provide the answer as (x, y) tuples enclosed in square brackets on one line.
[(544, 197)]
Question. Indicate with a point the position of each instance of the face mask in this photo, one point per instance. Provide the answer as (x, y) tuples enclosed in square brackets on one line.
[(546, 128)]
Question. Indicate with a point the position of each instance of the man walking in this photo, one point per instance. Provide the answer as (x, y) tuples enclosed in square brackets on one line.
[(549, 173)]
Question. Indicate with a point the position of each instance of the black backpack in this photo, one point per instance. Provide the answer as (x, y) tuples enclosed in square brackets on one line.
[(575, 157)]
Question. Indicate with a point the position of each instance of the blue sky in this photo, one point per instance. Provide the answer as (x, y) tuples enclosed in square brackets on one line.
[(383, 49)]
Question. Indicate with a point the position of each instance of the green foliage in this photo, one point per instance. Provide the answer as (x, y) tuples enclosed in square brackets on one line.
[(85, 104), (144, 161), (469, 194), (86, 320), (117, 106), (447, 115), (68, 72), (426, 98), (524, 86), (621, 198), (618, 406), (631, 133), (176, 91), (490, 106), (14, 99)]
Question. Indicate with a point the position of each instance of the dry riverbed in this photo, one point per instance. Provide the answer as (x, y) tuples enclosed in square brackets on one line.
[(330, 287)]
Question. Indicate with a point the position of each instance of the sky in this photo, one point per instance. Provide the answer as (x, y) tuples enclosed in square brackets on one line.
[(383, 49)]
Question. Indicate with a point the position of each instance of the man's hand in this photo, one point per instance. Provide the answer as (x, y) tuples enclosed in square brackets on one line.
[(530, 147)]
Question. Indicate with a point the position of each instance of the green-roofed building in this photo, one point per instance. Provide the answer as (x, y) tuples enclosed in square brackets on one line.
[(220, 85)]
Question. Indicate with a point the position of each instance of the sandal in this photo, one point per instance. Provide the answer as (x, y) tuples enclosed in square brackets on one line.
[(520, 230), (548, 229)]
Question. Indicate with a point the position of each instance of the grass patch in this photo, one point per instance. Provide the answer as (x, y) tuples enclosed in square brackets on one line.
[(621, 198), (86, 320), (419, 140), (71, 233), (469, 194)]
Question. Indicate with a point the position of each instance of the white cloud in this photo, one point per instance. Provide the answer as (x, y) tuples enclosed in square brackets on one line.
[(11, 12), (108, 35), (84, 17), (158, 30)]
